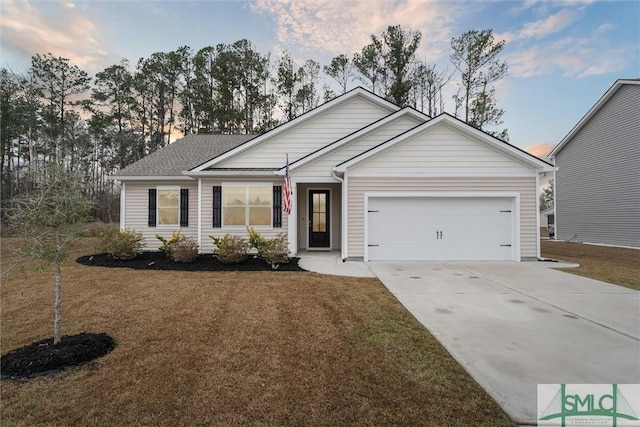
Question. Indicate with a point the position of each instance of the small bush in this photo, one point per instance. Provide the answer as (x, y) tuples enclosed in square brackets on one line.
[(122, 244), (185, 249), (256, 240), (276, 251), (169, 244), (230, 249)]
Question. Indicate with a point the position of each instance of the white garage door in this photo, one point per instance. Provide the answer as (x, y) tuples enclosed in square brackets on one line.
[(440, 228)]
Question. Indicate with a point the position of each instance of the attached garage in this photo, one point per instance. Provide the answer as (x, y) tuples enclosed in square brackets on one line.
[(442, 227)]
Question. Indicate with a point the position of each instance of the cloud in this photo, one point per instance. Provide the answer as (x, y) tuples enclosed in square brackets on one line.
[(549, 25), (539, 150), (26, 30), (573, 57), (346, 26)]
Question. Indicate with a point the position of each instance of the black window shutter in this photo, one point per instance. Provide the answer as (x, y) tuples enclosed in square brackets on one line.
[(152, 207), (217, 206), (277, 206), (184, 207)]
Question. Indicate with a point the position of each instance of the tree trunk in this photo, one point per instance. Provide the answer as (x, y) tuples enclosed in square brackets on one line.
[(57, 312)]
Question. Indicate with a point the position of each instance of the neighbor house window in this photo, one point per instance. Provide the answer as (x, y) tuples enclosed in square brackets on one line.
[(247, 205)]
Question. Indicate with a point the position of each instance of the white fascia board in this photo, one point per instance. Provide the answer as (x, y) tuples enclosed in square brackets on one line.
[(150, 178), (228, 173), (357, 134), (592, 111), (401, 174), (300, 119)]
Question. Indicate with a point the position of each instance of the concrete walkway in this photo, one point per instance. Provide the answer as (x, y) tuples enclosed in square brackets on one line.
[(515, 325)]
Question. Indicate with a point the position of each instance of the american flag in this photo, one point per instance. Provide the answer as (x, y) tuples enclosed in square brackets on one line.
[(287, 189)]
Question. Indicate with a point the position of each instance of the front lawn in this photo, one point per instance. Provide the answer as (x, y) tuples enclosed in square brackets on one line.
[(620, 266), (233, 348)]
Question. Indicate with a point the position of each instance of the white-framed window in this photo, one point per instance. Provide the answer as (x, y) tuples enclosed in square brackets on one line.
[(247, 205), (168, 206)]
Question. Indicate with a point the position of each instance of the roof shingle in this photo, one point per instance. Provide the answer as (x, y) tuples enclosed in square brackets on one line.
[(184, 154)]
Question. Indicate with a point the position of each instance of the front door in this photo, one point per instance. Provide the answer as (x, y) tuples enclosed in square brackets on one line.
[(319, 219)]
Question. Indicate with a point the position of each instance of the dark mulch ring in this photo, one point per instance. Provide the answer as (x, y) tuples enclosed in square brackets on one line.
[(44, 358), (157, 261)]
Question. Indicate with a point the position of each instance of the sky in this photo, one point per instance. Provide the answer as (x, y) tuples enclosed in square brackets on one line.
[(562, 55)]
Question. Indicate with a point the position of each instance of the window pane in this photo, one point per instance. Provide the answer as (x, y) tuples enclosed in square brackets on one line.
[(319, 223), (234, 216), (260, 196), (260, 216), (168, 198), (168, 216), (168, 203), (233, 196)]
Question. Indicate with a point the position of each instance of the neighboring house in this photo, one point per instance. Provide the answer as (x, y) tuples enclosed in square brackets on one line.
[(547, 217), (369, 179), (597, 184)]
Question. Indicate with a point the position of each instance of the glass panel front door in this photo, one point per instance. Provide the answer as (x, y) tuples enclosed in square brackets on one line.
[(319, 219)]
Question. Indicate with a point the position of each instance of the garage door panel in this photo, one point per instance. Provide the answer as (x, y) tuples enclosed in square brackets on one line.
[(440, 228)]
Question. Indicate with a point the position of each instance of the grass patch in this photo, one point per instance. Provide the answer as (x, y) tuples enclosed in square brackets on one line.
[(620, 266), (234, 348)]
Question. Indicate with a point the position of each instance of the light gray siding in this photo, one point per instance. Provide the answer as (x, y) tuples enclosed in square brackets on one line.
[(439, 150), (136, 211), (598, 179), (207, 215), (525, 186), (310, 135)]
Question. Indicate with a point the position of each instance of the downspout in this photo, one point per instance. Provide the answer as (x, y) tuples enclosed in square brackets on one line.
[(343, 217)]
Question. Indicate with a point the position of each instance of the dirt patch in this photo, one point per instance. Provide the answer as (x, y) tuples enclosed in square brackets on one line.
[(157, 261), (44, 358)]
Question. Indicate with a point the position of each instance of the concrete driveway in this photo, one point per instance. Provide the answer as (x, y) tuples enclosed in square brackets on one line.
[(515, 325)]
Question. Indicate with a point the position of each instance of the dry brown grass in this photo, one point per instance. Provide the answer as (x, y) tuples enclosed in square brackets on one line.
[(263, 348), (619, 266)]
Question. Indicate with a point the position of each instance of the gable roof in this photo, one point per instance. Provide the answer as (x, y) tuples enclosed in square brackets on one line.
[(358, 91), (603, 100), (354, 135), (496, 143), (183, 154)]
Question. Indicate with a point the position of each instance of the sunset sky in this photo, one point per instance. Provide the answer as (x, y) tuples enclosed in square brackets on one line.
[(562, 55)]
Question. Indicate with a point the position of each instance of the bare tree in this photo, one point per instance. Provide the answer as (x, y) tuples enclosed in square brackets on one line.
[(48, 219)]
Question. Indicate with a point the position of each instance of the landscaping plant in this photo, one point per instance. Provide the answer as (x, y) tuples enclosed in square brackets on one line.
[(230, 249), (122, 244), (185, 249), (169, 244)]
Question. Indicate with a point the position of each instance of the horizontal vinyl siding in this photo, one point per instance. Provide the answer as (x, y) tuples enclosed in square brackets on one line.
[(440, 149), (310, 135), (207, 215), (598, 177), (335, 218), (137, 208), (525, 186), (322, 166)]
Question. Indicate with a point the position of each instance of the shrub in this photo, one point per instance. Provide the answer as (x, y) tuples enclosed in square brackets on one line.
[(256, 240), (122, 244), (230, 249), (185, 249), (276, 251), (169, 244)]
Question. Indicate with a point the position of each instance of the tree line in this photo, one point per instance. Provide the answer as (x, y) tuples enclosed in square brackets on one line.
[(54, 112)]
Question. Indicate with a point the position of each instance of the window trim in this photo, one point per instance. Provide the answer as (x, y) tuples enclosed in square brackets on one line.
[(165, 188), (246, 186)]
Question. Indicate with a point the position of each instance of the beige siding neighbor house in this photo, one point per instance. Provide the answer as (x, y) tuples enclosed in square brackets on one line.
[(368, 179)]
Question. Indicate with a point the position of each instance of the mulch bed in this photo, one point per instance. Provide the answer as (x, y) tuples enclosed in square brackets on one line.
[(43, 358), (157, 261)]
